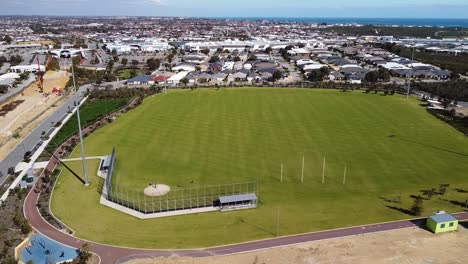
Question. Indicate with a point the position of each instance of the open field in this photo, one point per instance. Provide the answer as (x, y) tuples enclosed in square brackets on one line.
[(204, 137), (400, 246), (35, 108), (127, 73)]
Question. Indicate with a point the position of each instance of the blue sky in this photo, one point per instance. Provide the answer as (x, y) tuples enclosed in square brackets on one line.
[(242, 8)]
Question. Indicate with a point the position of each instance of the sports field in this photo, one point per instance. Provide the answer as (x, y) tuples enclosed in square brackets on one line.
[(203, 137)]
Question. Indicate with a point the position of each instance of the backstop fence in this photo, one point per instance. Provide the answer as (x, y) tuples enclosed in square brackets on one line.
[(109, 174), (177, 199)]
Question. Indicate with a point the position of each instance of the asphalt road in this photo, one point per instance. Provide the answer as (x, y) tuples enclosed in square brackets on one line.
[(17, 154), (112, 254)]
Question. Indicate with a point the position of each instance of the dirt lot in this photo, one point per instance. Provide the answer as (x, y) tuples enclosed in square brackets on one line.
[(413, 245), (24, 118)]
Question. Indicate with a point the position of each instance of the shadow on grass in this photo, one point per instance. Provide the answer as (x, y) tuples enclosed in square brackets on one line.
[(461, 190), (100, 185), (401, 210), (429, 146), (68, 168), (259, 228), (454, 202), (386, 200), (418, 196), (72, 172)]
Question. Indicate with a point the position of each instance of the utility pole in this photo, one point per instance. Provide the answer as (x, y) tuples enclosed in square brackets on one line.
[(323, 171), (281, 172), (344, 175), (277, 222), (302, 176), (411, 74), (79, 128)]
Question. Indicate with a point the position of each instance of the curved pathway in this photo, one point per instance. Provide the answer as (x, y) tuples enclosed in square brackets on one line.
[(113, 254)]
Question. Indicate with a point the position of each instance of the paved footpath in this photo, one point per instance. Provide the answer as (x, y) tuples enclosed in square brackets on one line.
[(112, 254)]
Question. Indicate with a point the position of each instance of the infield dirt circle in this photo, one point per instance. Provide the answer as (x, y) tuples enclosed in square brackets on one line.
[(157, 190)]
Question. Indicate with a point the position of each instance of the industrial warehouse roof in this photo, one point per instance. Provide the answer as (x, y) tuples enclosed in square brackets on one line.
[(442, 218), (238, 198)]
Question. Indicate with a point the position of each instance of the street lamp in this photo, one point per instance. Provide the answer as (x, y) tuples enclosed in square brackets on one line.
[(79, 128)]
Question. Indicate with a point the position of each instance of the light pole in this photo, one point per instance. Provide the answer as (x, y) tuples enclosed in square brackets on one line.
[(79, 128), (411, 73)]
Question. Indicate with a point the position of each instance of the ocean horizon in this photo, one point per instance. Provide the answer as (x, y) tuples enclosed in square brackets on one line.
[(415, 22)]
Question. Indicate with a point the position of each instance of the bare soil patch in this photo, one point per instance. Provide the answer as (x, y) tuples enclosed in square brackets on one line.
[(413, 245)]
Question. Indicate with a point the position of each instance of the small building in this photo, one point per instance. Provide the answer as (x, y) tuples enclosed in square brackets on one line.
[(141, 80), (104, 166), (239, 201), (442, 222)]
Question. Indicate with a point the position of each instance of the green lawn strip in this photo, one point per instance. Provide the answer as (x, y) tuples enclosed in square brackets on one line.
[(90, 111), (206, 137)]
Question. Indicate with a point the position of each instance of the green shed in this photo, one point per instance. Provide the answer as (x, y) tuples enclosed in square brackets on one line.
[(442, 222)]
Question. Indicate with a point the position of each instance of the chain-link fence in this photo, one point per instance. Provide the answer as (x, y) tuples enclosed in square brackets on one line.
[(176, 199)]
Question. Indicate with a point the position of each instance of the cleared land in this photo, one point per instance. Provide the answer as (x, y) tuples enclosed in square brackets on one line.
[(34, 109), (402, 246), (193, 138)]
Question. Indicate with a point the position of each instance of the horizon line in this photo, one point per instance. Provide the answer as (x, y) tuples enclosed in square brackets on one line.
[(243, 17)]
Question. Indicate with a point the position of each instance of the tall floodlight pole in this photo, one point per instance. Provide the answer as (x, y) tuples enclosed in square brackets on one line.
[(344, 175), (79, 127), (302, 174), (323, 171), (277, 221), (281, 172), (411, 74)]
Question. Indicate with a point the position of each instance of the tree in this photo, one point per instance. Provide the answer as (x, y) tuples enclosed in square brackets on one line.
[(252, 57), (15, 60), (205, 51), (7, 39), (184, 81), (25, 227), (2, 60), (268, 50), (214, 58), (384, 75), (53, 65), (430, 193), (417, 207), (443, 188), (372, 77), (153, 64), (170, 57), (318, 75), (124, 61), (277, 75), (237, 59), (84, 254), (4, 88), (135, 63)]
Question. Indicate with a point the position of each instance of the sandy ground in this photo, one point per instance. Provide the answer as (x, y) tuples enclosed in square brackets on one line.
[(25, 117), (412, 245)]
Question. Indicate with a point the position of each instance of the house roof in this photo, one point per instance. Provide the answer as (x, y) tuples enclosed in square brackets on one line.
[(140, 78), (160, 78), (443, 218)]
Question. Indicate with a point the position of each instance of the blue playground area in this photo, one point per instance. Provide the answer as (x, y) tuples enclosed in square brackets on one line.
[(42, 250)]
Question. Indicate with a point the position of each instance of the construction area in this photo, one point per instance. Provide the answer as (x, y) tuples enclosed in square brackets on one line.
[(22, 113), (413, 245)]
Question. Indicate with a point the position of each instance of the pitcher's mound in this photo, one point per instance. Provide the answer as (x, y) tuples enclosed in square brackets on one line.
[(157, 190)]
